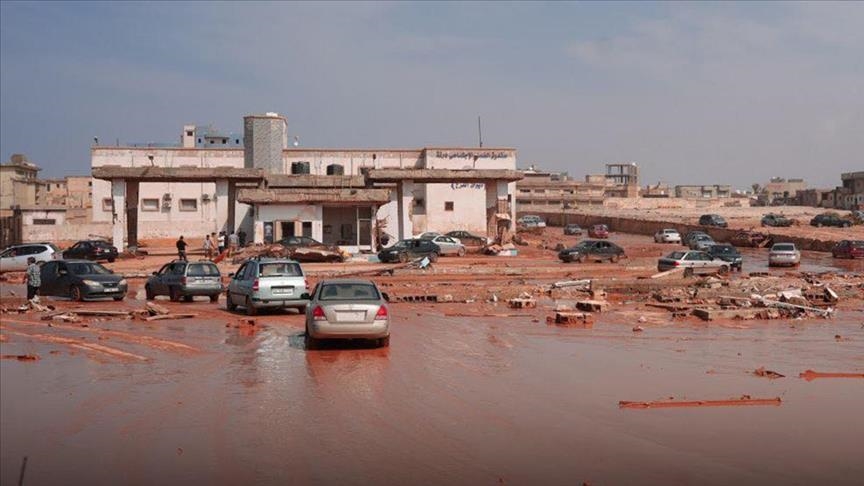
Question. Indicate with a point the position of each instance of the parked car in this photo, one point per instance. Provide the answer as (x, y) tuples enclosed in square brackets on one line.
[(449, 246), (592, 250), (701, 242), (347, 309), (784, 254), (598, 231), (468, 239), (689, 236), (306, 249), (427, 235), (300, 242), (80, 280), (692, 262), (531, 221), (848, 249), (406, 250), (91, 250), (728, 254), (572, 229), (14, 258), (830, 219), (713, 220), (776, 220), (267, 283), (667, 236), (182, 279)]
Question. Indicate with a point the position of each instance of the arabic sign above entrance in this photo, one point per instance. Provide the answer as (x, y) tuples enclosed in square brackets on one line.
[(446, 154)]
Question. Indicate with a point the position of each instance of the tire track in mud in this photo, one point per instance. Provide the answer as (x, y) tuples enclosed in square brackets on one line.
[(78, 344)]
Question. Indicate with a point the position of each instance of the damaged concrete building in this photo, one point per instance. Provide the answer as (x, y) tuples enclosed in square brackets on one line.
[(347, 197)]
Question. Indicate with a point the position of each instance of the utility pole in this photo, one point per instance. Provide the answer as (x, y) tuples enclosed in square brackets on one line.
[(480, 131)]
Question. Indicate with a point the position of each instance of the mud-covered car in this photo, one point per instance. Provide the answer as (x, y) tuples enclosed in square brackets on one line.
[(411, 249), (776, 220), (596, 250), (598, 231), (713, 220), (80, 280), (572, 229), (727, 253), (306, 249), (784, 254), (848, 249), (830, 219), (182, 279), (468, 239), (692, 262)]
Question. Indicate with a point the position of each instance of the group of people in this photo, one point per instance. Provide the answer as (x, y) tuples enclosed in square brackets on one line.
[(214, 244)]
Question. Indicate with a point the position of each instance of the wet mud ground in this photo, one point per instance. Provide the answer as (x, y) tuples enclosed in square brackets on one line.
[(454, 400)]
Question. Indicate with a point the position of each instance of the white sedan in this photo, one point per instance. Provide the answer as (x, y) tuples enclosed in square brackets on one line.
[(784, 254), (692, 262), (667, 236), (449, 245)]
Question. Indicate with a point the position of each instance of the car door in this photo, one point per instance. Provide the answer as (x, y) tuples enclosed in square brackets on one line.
[(12, 260), (234, 285), (158, 283), (62, 280)]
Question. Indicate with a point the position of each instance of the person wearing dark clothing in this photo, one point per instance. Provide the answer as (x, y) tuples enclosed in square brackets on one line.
[(241, 235), (34, 278), (181, 249)]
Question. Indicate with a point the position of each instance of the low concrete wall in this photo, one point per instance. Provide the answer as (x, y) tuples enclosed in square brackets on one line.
[(647, 227)]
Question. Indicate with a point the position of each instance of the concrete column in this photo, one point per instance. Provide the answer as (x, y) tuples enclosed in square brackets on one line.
[(132, 212), (222, 205), (496, 202), (118, 200), (373, 241), (405, 200), (258, 230), (232, 207)]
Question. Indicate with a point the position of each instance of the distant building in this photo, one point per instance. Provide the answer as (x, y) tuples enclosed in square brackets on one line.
[(780, 191), (703, 191), (625, 178), (851, 194), (817, 198), (556, 190), (19, 185)]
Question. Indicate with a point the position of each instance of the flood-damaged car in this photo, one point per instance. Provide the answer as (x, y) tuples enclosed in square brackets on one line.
[(596, 250)]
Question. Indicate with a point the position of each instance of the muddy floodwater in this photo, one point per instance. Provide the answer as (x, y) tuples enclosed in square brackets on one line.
[(454, 400)]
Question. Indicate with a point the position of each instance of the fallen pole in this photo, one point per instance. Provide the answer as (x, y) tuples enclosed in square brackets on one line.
[(161, 317), (811, 375), (733, 402)]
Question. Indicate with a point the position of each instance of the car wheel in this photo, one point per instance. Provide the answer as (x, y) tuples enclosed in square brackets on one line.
[(311, 343), (846, 225), (119, 298), (301, 310), (173, 294), (111, 260), (403, 258), (229, 303), (148, 292), (214, 298), (688, 272), (75, 293), (818, 225), (187, 298), (724, 270), (433, 257), (461, 252), (384, 342), (250, 309), (615, 258), (582, 258)]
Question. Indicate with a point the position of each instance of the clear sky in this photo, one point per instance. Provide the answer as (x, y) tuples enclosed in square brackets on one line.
[(694, 93)]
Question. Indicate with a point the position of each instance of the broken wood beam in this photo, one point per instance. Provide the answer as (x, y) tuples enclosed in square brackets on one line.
[(667, 273), (99, 312), (811, 375), (156, 309), (733, 402), (161, 317)]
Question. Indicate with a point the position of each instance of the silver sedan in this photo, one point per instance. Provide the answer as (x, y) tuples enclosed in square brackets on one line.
[(784, 254), (347, 309), (449, 246)]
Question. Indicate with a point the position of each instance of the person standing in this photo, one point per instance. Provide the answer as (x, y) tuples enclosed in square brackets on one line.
[(221, 241), (233, 241), (208, 247), (181, 248), (34, 279)]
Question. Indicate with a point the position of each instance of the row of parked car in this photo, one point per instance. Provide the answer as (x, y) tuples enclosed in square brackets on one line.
[(14, 258), (431, 245)]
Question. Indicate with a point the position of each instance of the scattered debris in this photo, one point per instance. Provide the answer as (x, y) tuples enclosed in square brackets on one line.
[(592, 305), (666, 273), (638, 329), (99, 312), (586, 284), (582, 319), (21, 357), (811, 375), (161, 317), (155, 309), (761, 371), (744, 400), (522, 303)]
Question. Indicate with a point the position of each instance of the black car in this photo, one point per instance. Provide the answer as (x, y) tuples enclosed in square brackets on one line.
[(92, 250), (830, 220), (467, 238), (411, 249), (300, 241), (713, 220), (572, 229), (776, 220), (592, 250), (727, 253), (81, 279)]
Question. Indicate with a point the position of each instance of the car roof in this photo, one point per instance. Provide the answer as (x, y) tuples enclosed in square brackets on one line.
[(268, 260), (346, 281), (75, 260)]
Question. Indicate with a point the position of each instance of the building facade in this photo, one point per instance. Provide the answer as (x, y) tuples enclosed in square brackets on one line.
[(19, 183), (703, 191)]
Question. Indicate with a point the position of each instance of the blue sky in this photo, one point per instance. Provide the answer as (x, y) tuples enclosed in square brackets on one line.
[(695, 93)]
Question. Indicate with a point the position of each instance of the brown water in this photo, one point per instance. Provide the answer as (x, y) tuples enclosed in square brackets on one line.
[(453, 401)]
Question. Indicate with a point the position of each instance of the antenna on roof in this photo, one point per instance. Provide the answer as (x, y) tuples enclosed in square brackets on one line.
[(480, 131)]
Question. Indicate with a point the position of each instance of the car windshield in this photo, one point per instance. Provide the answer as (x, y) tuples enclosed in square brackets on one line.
[(702, 238), (84, 268), (857, 244), (401, 244), (279, 269), (784, 247), (348, 291), (585, 245), (202, 270)]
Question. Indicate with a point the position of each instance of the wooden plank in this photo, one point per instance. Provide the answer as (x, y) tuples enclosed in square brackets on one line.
[(667, 273), (170, 316)]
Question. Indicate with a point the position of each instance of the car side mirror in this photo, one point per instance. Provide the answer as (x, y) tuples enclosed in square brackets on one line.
[(386, 296), (305, 296)]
